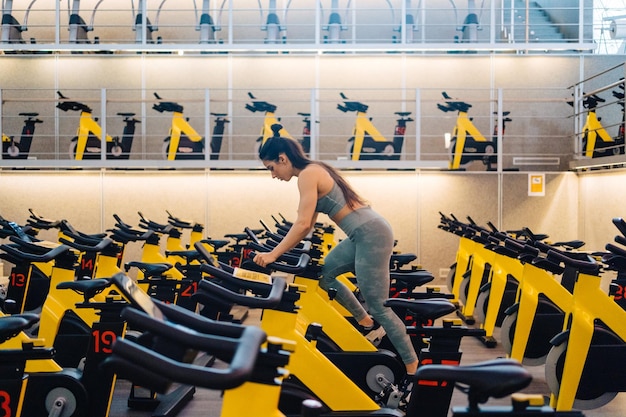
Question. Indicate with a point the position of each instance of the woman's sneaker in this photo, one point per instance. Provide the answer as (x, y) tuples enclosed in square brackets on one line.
[(374, 333)]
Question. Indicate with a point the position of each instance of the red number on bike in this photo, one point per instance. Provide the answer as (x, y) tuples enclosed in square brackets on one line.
[(18, 280), (5, 404), (103, 341), (86, 264), (189, 290)]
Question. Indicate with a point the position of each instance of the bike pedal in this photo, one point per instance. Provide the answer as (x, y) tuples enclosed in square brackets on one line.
[(376, 335)]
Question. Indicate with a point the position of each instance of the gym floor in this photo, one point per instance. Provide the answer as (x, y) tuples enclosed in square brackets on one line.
[(207, 403)]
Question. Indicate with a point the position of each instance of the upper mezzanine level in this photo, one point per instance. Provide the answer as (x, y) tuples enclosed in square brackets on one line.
[(323, 26)]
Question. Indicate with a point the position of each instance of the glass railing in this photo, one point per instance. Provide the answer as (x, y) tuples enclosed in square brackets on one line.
[(461, 129), (509, 26)]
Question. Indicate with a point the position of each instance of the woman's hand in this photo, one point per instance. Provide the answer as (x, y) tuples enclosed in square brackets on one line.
[(264, 259)]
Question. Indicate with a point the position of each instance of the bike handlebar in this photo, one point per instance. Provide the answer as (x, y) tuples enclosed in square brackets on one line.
[(48, 255), (243, 352)]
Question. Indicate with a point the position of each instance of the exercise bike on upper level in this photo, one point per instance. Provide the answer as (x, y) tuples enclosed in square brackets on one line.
[(596, 141), (88, 140), (270, 120), (367, 143), (467, 143), (183, 141), (12, 29), (14, 149)]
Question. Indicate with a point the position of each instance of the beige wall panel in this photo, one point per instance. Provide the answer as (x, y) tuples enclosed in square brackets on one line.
[(242, 199), (186, 72), (25, 73), (460, 194), (448, 72), (535, 73), (74, 196), (554, 214), (81, 72), (602, 199), (184, 194)]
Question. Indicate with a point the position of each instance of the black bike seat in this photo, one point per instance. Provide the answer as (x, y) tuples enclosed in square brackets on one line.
[(413, 278), (88, 287), (149, 269), (430, 309), (189, 255), (571, 244), (491, 379), (403, 258), (11, 326)]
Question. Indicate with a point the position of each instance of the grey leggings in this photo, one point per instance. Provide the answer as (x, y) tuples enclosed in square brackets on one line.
[(366, 253)]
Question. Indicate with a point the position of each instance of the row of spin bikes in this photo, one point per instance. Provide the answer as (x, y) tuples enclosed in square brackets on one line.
[(97, 323), (551, 303), (184, 141), (467, 144)]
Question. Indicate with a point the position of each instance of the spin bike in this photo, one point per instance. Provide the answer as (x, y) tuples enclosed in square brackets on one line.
[(305, 141), (253, 377), (367, 143), (206, 24), (583, 366), (32, 383), (138, 18), (596, 140), (88, 140), (13, 149), (272, 26), (619, 95), (254, 363), (335, 24), (183, 141), (545, 298), (467, 144), (218, 134), (471, 23), (11, 28), (409, 26), (78, 28), (270, 120)]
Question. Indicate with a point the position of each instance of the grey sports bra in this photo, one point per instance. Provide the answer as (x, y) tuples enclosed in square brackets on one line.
[(332, 202)]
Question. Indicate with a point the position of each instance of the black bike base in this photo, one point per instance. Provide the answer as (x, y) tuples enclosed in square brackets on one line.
[(507, 411), (466, 319), (171, 403), (488, 341)]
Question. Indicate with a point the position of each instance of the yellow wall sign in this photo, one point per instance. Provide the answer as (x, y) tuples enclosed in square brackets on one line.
[(536, 185)]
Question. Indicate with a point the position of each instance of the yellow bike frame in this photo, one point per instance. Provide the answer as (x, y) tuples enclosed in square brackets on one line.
[(309, 364), (535, 281), (87, 125), (463, 127), (503, 267), (362, 126), (593, 129), (266, 133), (180, 125), (590, 304)]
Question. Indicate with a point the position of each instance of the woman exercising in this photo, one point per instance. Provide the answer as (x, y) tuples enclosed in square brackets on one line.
[(366, 252)]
